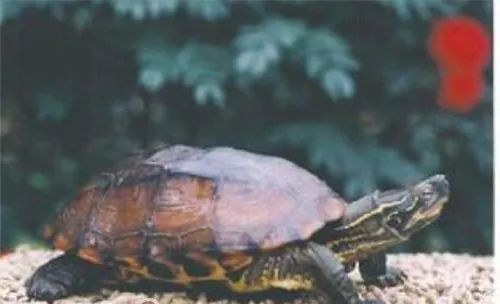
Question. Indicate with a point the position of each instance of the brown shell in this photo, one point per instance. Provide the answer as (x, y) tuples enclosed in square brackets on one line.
[(184, 199)]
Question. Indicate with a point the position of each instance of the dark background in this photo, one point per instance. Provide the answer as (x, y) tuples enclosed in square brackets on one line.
[(345, 89)]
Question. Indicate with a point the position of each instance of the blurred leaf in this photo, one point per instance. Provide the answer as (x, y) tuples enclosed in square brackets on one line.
[(152, 79), (67, 166), (323, 143), (259, 47), (327, 58), (158, 8), (360, 184), (392, 166), (322, 42), (82, 18), (256, 62), (134, 8), (210, 10), (39, 181), (338, 84), (10, 9), (424, 9), (205, 68), (206, 93), (158, 61), (141, 9), (401, 81), (49, 107)]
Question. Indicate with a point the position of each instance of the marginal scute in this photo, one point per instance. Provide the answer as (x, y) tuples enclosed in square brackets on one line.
[(329, 207), (128, 246), (198, 239), (91, 255), (61, 242), (71, 220), (233, 261), (218, 206), (163, 245)]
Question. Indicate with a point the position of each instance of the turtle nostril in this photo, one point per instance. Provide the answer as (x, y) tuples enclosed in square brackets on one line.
[(443, 187), (440, 185)]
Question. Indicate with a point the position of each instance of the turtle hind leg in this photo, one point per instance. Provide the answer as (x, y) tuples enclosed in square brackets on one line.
[(312, 270), (61, 277)]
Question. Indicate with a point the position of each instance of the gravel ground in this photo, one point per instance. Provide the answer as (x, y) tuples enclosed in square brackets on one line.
[(433, 278)]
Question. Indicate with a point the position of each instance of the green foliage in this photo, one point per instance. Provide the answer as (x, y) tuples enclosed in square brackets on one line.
[(360, 165), (345, 89), (211, 10), (205, 68), (260, 47), (323, 55), (139, 10), (327, 59), (424, 9), (473, 136)]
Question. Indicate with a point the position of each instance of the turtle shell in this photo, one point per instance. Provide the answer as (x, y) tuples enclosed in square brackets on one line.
[(184, 199)]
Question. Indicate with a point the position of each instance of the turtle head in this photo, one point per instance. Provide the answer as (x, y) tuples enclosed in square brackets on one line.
[(385, 218)]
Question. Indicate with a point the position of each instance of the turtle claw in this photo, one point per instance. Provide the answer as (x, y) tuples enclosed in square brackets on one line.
[(392, 277), (43, 285), (44, 288)]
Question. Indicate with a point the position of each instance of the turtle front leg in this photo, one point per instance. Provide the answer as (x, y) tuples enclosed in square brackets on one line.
[(311, 269), (61, 277), (374, 270), (331, 276)]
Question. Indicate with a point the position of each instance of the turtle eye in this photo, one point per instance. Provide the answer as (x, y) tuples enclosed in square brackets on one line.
[(428, 194), (393, 222)]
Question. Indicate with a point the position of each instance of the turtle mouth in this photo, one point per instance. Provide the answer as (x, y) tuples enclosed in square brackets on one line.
[(431, 213), (433, 205), (428, 215), (435, 209)]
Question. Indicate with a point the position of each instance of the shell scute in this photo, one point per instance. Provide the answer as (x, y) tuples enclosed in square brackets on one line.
[(70, 220), (181, 210)]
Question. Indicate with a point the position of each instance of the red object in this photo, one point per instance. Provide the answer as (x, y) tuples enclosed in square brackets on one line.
[(461, 92), (460, 42), (461, 48)]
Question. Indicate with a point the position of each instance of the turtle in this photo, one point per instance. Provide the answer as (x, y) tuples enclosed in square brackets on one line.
[(252, 222)]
